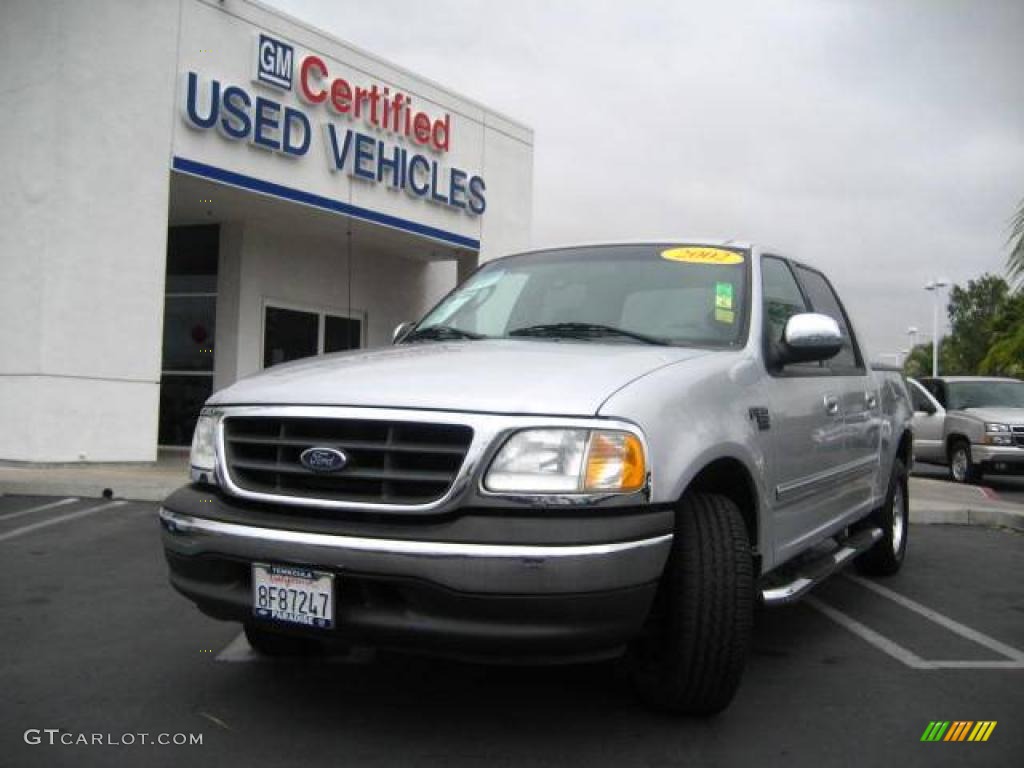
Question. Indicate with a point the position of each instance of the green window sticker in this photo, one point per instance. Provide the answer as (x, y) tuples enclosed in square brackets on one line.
[(723, 296)]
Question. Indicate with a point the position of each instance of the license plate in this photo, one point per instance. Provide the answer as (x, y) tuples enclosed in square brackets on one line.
[(293, 594)]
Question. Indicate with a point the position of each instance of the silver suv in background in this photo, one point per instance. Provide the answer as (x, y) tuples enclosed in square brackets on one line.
[(971, 424)]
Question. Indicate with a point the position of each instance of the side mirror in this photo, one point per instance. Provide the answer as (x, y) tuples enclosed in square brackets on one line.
[(810, 337), (926, 408), (401, 331)]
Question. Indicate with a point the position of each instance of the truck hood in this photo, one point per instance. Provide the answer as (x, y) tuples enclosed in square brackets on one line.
[(997, 415), (564, 378)]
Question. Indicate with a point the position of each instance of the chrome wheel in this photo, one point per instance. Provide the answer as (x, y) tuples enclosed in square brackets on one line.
[(959, 464), (898, 521)]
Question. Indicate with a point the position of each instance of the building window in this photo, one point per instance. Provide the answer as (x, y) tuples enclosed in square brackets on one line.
[(291, 333), (190, 312)]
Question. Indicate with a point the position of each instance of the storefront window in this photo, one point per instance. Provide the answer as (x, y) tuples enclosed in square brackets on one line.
[(291, 334), (341, 333)]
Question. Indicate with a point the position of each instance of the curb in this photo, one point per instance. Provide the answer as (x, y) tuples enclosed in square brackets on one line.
[(950, 515), (88, 489)]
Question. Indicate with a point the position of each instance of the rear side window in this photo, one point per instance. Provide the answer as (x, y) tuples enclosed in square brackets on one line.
[(936, 389), (918, 398), (824, 301)]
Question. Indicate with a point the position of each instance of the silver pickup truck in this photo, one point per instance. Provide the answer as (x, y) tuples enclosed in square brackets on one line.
[(612, 450), (972, 424)]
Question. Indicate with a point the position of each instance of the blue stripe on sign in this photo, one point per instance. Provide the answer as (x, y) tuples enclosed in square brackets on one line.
[(253, 184)]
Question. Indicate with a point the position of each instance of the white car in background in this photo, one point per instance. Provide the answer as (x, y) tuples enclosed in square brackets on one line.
[(973, 425)]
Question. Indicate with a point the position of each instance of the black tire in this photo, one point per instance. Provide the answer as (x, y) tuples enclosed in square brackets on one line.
[(893, 517), (961, 468), (267, 642), (691, 655)]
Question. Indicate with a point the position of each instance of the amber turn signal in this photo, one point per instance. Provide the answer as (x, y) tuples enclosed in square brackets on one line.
[(615, 462)]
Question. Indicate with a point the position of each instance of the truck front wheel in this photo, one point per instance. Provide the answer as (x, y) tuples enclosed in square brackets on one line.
[(961, 468), (690, 657)]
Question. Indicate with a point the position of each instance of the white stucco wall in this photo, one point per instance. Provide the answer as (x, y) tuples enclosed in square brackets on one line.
[(88, 103)]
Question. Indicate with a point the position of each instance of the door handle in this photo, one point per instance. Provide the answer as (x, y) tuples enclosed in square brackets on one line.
[(832, 405)]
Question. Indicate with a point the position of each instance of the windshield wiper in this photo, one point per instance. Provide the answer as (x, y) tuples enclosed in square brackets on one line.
[(441, 333), (583, 331)]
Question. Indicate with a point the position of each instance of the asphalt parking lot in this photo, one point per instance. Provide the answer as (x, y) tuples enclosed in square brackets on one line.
[(96, 642)]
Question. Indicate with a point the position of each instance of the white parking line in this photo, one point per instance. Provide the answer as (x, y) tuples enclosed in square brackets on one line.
[(40, 508), (883, 644), (60, 519), (944, 621), (239, 650), (907, 657)]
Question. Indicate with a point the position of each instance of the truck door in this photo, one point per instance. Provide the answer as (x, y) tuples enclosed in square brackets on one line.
[(860, 402), (807, 441), (929, 420)]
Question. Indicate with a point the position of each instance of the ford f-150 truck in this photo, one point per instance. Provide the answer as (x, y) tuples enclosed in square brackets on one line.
[(612, 450)]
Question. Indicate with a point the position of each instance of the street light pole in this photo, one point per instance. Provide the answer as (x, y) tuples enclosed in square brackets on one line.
[(934, 286)]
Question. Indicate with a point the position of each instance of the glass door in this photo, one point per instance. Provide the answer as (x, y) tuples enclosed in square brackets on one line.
[(190, 312)]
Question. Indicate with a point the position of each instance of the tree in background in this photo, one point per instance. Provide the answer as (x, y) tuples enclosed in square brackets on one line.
[(1015, 262), (973, 315), (1005, 356), (919, 359)]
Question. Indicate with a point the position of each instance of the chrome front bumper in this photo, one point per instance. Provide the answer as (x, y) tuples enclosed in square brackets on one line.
[(467, 567), (997, 453)]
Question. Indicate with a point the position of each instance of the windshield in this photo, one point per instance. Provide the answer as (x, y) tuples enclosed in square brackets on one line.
[(985, 394), (663, 294)]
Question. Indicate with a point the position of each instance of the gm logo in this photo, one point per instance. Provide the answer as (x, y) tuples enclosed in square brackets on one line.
[(274, 61)]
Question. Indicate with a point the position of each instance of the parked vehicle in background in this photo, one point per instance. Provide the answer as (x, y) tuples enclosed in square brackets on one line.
[(579, 453), (972, 424)]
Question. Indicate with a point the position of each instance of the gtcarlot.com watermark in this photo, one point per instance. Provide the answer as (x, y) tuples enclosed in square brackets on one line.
[(56, 736)]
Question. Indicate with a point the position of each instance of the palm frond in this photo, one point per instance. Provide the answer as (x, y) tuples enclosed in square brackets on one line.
[(1015, 261)]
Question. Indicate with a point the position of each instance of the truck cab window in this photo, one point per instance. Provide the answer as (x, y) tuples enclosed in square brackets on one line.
[(824, 301)]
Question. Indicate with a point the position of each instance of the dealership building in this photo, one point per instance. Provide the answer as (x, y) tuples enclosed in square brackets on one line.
[(196, 190)]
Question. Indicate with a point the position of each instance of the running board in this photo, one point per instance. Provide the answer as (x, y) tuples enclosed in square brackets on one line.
[(807, 574)]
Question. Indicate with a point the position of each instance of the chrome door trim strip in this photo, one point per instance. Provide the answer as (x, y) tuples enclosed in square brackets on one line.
[(808, 485)]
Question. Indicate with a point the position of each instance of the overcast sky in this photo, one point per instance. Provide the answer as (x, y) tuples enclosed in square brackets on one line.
[(880, 140)]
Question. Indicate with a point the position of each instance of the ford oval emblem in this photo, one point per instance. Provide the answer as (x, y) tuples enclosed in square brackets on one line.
[(323, 459)]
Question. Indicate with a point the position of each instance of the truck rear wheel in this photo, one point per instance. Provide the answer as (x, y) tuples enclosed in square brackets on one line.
[(893, 517), (690, 657)]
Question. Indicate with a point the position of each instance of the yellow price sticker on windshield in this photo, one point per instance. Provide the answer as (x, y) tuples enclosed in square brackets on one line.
[(702, 255)]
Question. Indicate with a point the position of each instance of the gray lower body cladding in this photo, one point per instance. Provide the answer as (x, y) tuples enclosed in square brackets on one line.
[(545, 586)]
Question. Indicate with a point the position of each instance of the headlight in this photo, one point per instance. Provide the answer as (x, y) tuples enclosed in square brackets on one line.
[(568, 461), (998, 434), (204, 452)]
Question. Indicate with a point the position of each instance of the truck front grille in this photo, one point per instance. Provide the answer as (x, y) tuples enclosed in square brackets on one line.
[(1018, 436), (389, 462)]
